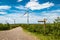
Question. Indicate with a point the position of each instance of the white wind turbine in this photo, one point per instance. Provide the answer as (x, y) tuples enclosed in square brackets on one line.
[(27, 14)]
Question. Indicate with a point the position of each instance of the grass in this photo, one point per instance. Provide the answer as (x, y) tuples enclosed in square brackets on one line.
[(51, 32), (41, 36), (37, 30), (44, 37), (7, 26)]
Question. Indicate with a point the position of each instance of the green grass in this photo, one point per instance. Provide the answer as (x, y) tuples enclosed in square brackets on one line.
[(7, 26), (42, 37), (51, 32)]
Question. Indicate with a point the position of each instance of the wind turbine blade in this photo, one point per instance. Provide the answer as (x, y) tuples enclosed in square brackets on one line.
[(25, 13)]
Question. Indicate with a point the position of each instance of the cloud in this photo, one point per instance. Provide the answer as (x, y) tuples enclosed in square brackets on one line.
[(4, 19), (33, 18), (21, 7), (34, 5), (19, 0), (19, 18), (51, 15), (56, 11), (3, 13), (5, 7), (33, 0)]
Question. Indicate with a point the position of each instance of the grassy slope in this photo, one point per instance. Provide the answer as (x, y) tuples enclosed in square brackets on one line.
[(40, 36)]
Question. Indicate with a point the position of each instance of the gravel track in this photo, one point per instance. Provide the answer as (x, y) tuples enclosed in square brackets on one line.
[(16, 34)]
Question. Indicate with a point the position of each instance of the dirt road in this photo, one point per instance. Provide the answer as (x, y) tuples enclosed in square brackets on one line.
[(16, 34)]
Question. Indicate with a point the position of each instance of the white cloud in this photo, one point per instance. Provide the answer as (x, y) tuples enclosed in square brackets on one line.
[(51, 15), (56, 11), (4, 19), (34, 5), (3, 13), (19, 18), (33, 18), (5, 7), (21, 7), (19, 0), (33, 0)]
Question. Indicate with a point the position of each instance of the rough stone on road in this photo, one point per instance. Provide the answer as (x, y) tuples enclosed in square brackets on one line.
[(16, 34)]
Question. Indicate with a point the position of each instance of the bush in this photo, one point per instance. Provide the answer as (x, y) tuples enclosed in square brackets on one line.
[(50, 29), (4, 27), (8, 26)]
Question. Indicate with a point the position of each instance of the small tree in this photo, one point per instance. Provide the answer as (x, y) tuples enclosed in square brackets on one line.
[(57, 21), (57, 26)]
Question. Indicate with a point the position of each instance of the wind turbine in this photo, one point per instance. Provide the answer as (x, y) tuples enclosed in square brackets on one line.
[(27, 16), (27, 12), (14, 21)]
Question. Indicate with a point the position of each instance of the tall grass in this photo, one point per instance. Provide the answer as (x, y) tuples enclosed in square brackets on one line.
[(51, 30), (7, 26)]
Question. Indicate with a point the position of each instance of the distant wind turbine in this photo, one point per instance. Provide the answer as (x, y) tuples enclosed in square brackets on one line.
[(27, 16), (14, 21), (27, 11)]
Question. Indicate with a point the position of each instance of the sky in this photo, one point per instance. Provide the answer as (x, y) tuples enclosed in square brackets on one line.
[(11, 10)]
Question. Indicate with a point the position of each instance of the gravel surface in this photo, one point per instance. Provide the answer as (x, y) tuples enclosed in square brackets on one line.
[(16, 34)]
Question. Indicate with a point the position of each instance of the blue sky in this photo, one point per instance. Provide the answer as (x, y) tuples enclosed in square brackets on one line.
[(11, 10)]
